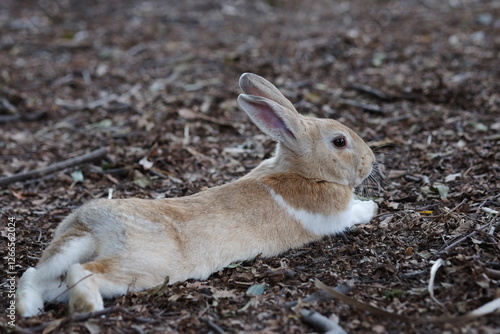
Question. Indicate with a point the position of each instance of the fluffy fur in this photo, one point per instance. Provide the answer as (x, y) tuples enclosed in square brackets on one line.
[(109, 247)]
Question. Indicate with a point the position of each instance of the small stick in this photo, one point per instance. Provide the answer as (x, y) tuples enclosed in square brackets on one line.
[(85, 316), (490, 211), (373, 108), (74, 318), (455, 208), (79, 317), (486, 309), (360, 305), (479, 229), (453, 244), (99, 153), (320, 322), (319, 296), (373, 91), (213, 325), (446, 214), (414, 274), (69, 288), (9, 118)]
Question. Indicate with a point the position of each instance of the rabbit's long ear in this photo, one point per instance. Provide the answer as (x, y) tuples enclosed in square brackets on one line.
[(272, 118), (253, 84)]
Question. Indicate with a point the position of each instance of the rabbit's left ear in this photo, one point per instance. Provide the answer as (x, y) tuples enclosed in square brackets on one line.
[(272, 118), (252, 84)]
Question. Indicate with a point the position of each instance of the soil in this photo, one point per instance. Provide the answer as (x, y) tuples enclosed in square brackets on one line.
[(156, 82)]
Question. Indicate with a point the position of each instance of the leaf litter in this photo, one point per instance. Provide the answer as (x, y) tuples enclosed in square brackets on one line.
[(155, 84)]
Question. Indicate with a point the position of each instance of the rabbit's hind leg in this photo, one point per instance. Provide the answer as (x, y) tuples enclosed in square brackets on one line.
[(43, 283), (28, 296), (84, 295), (89, 282)]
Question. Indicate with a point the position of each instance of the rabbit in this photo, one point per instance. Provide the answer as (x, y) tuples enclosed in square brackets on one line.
[(109, 247)]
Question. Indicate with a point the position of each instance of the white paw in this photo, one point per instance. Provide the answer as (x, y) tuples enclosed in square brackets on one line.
[(82, 301), (363, 211), (29, 301), (84, 295)]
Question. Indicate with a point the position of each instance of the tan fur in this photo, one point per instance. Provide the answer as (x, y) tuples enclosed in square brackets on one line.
[(100, 267), (109, 247), (310, 195), (77, 230)]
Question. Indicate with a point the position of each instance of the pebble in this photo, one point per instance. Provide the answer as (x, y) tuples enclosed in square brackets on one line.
[(484, 19)]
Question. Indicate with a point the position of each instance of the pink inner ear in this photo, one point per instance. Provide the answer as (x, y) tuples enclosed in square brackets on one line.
[(273, 121)]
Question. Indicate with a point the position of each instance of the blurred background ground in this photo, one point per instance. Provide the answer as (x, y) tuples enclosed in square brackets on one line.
[(158, 80)]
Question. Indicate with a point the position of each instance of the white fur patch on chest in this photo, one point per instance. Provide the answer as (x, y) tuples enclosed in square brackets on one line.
[(315, 223)]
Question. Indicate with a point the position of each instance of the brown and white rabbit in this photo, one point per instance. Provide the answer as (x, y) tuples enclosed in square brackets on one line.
[(111, 246)]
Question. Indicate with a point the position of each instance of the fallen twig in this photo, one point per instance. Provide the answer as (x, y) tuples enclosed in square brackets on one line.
[(99, 153), (5, 104), (319, 296), (9, 118), (68, 288), (413, 274), (57, 323), (79, 317), (362, 306), (192, 115), (213, 325), (29, 117), (368, 107), (373, 91), (453, 244), (321, 323), (490, 211), (486, 309), (102, 102), (492, 273), (455, 208)]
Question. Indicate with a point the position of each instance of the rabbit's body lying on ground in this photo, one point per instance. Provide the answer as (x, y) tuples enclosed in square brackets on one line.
[(109, 247)]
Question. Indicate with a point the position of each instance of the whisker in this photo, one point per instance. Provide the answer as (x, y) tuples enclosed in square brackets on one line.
[(375, 182)]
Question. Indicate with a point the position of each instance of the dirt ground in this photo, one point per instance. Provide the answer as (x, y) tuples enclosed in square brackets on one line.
[(418, 80)]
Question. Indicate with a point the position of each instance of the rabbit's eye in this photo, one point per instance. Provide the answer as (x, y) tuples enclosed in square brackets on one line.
[(339, 142)]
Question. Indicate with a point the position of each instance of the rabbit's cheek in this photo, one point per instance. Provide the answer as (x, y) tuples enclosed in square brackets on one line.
[(366, 167)]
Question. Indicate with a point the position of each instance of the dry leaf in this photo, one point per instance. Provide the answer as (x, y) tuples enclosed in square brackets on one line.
[(187, 114), (144, 162), (53, 325), (93, 326), (216, 293)]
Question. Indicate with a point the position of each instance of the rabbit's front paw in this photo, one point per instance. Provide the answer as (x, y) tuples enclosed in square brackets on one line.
[(363, 211)]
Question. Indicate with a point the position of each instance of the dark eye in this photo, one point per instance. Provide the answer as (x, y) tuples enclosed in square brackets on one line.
[(340, 142)]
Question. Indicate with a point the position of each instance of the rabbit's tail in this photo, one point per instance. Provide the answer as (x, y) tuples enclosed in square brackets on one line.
[(46, 281)]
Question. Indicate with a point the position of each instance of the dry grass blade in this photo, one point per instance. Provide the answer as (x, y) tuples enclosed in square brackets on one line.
[(430, 287)]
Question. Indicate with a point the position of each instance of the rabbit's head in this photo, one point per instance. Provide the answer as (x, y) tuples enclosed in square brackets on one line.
[(318, 149)]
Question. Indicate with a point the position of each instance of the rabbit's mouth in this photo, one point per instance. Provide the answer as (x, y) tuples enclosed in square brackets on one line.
[(373, 184)]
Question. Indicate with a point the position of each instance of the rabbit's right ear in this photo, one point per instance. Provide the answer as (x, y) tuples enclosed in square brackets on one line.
[(252, 84), (272, 118)]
